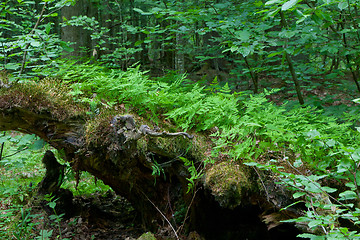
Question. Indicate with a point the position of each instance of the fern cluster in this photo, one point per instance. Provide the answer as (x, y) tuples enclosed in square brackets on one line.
[(249, 127)]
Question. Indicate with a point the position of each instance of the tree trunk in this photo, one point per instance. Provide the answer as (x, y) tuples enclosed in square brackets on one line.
[(75, 34), (179, 56), (124, 156)]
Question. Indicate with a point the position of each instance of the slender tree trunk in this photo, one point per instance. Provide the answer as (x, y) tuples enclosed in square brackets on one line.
[(348, 61), (179, 56), (254, 76), (291, 66)]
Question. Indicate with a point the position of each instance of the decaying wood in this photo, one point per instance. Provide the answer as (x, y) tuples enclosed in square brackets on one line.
[(116, 158), (145, 129), (123, 155), (54, 175)]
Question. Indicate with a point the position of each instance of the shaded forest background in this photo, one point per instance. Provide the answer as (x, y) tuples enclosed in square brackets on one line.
[(251, 45)]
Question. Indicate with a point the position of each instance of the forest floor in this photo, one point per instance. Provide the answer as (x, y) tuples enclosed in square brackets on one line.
[(108, 216), (101, 217)]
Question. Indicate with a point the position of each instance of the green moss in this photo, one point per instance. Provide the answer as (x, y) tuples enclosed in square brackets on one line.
[(98, 127), (170, 147), (142, 146), (229, 183), (48, 96), (147, 236)]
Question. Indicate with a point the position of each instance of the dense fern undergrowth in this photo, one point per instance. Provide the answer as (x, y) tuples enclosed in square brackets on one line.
[(306, 149), (248, 128)]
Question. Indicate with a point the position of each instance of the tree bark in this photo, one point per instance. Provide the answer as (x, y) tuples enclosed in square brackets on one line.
[(291, 66), (124, 156), (117, 151), (75, 34)]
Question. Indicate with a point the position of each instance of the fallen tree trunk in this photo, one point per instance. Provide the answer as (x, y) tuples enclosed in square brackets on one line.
[(114, 148)]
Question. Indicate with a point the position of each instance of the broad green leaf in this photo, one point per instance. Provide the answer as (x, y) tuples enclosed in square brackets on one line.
[(243, 35), (350, 185), (234, 48), (314, 223), (342, 5), (52, 205), (313, 187), (273, 13), (38, 144), (271, 2), (331, 143), (274, 54), (287, 33), (288, 5), (329, 189), (48, 28), (357, 100), (245, 51), (141, 11), (298, 194), (26, 139), (311, 236), (137, 43), (4, 139), (348, 195)]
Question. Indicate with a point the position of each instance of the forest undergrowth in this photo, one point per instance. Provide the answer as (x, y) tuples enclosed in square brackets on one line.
[(312, 151)]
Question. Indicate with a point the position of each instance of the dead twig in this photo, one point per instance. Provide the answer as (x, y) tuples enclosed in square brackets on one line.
[(167, 220)]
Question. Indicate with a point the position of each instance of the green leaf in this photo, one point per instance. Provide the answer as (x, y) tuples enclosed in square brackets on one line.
[(311, 236), (288, 5), (52, 204), (234, 48), (271, 2), (252, 164), (243, 35), (48, 28), (313, 134), (298, 194), (273, 13), (35, 44), (38, 144), (137, 43), (287, 33), (274, 54), (313, 187), (4, 139), (12, 66), (348, 195), (245, 51), (329, 189), (141, 11), (357, 100), (342, 5), (314, 223), (26, 139)]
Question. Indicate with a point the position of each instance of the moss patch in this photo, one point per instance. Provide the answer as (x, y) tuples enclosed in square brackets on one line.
[(48, 96), (229, 183), (147, 236)]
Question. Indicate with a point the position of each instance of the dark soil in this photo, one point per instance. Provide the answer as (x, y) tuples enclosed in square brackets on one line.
[(92, 217)]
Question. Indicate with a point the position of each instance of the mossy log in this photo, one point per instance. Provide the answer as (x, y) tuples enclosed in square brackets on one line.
[(111, 147), (114, 148)]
